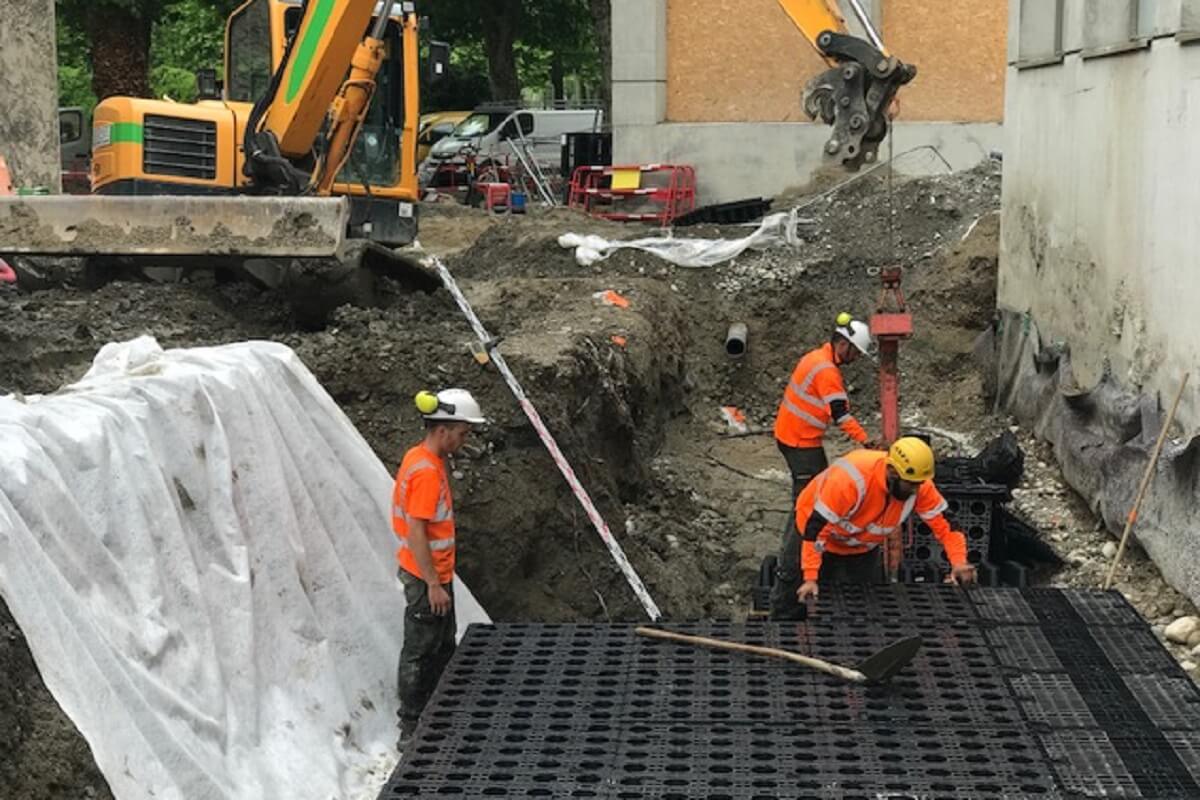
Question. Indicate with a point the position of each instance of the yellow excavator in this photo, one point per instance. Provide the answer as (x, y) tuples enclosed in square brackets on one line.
[(855, 95), (302, 171)]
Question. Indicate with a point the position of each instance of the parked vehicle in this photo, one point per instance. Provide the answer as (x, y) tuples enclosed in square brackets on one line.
[(488, 131), (75, 147), (434, 127)]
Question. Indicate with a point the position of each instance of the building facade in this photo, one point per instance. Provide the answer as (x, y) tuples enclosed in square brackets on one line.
[(1099, 254), (717, 84)]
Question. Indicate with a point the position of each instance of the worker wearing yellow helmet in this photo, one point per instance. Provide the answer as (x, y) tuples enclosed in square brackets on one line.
[(814, 400), (423, 519), (849, 510)]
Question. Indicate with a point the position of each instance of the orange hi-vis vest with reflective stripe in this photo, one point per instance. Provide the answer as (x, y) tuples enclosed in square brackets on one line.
[(422, 491), (852, 497), (804, 414)]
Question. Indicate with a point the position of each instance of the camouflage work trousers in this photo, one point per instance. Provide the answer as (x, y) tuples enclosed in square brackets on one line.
[(428, 646)]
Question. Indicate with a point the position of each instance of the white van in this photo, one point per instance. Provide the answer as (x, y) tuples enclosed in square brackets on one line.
[(488, 131)]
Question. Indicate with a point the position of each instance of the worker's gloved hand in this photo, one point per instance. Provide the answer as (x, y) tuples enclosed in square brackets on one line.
[(963, 574), (439, 600), (807, 589)]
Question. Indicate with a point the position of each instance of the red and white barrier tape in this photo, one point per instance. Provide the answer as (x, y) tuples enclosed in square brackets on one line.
[(618, 555)]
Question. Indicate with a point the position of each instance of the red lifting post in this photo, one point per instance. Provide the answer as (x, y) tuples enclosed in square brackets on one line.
[(889, 325)]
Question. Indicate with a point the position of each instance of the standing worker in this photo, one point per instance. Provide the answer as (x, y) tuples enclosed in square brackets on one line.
[(815, 396), (423, 518), (851, 508)]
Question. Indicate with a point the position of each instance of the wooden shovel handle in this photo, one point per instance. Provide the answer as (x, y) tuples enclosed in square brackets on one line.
[(844, 673)]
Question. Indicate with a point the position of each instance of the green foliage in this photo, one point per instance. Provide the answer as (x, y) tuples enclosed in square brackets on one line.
[(189, 36), (548, 29)]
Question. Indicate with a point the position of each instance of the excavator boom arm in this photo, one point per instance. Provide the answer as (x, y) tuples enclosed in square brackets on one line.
[(855, 94), (312, 85)]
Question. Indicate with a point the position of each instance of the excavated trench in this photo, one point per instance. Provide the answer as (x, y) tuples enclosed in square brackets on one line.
[(633, 395)]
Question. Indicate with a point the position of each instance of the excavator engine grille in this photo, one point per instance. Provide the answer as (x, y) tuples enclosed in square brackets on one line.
[(185, 148)]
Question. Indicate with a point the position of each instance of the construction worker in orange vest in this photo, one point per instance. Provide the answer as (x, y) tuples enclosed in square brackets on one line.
[(815, 397), (423, 519), (851, 508)]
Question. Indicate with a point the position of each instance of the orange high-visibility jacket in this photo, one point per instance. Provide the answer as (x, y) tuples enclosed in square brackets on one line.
[(422, 491), (852, 497), (804, 413)]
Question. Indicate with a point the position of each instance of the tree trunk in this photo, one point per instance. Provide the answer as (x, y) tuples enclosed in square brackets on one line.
[(602, 20), (557, 78), (120, 42), (501, 18)]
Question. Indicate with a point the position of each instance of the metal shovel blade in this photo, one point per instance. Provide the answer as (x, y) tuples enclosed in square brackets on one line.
[(887, 662)]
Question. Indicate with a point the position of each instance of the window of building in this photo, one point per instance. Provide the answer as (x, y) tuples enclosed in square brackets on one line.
[(1040, 35), (1117, 26), (1146, 22), (1189, 21)]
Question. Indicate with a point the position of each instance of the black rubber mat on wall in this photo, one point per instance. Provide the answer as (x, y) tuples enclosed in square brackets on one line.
[(1038, 693)]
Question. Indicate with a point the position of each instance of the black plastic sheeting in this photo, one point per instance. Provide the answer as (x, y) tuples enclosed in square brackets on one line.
[(1102, 437), (1038, 693)]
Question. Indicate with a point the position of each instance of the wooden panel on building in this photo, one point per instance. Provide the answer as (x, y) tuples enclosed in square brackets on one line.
[(744, 60)]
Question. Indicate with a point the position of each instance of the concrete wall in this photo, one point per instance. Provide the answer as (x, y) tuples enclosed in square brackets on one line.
[(1100, 256), (738, 160), (717, 85), (1100, 242), (29, 92)]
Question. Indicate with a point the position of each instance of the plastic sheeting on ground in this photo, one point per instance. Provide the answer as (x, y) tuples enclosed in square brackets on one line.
[(196, 544), (775, 230)]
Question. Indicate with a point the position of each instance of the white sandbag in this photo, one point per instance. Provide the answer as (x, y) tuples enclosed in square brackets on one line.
[(196, 544), (775, 231)]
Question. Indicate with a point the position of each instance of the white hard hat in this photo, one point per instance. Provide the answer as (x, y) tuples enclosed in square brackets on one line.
[(858, 334), (451, 405)]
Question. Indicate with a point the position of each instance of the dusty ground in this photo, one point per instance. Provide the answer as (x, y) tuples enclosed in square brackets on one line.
[(694, 508)]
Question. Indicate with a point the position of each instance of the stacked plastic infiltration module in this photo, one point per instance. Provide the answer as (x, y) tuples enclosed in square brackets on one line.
[(1031, 693)]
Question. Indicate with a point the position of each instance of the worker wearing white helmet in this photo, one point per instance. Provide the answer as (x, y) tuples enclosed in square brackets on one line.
[(423, 519), (814, 399)]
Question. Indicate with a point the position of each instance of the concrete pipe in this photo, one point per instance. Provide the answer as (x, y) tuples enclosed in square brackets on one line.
[(735, 340)]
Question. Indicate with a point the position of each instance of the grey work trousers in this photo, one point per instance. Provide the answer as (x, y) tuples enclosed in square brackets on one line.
[(804, 463)]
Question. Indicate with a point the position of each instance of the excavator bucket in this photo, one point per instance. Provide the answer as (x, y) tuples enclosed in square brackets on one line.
[(173, 226), (854, 97)]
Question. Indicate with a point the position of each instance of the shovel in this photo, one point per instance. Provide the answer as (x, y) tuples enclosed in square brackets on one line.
[(878, 668)]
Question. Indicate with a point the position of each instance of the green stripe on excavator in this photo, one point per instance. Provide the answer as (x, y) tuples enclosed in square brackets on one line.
[(308, 48), (126, 132)]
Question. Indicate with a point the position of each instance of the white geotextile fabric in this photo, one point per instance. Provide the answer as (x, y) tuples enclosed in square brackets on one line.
[(196, 544), (774, 231)]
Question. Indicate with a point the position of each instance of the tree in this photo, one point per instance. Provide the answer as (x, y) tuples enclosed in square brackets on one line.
[(602, 25), (189, 36), (118, 42), (501, 21), (563, 33)]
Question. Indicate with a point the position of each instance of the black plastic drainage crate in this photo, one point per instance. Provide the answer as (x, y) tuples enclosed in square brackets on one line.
[(1035, 693)]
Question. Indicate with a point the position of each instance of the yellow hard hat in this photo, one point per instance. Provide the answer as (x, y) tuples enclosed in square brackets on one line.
[(912, 459)]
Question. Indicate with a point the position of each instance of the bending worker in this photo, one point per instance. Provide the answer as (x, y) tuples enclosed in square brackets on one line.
[(423, 518), (851, 508), (814, 398)]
